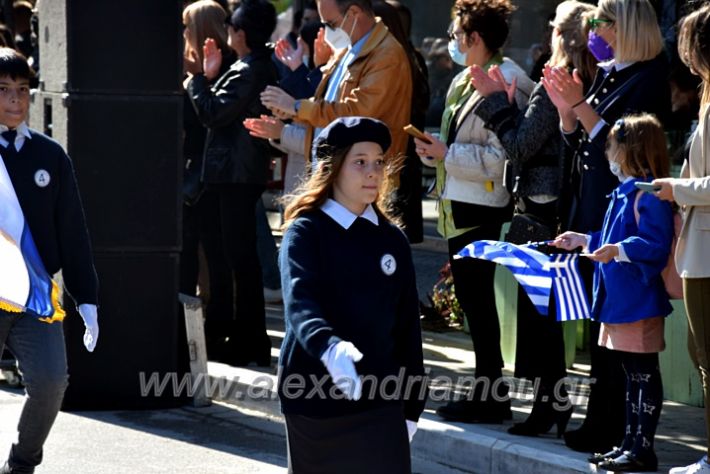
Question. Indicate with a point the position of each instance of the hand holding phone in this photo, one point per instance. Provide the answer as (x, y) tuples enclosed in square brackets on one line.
[(416, 133), (647, 187)]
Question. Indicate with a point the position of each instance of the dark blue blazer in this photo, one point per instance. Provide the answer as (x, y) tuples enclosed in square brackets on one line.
[(625, 292), (641, 87)]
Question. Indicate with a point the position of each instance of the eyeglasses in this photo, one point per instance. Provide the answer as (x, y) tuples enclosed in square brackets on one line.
[(595, 23), (454, 35)]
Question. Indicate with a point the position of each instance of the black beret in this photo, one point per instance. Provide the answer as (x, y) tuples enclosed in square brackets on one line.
[(346, 131)]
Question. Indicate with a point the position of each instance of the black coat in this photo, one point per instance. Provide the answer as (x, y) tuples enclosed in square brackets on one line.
[(231, 155), (641, 87), (54, 213)]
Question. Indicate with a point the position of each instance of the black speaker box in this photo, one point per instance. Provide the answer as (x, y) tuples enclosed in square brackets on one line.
[(127, 157), (138, 338), (106, 46)]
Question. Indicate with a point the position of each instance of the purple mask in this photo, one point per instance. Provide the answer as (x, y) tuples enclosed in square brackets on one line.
[(599, 48)]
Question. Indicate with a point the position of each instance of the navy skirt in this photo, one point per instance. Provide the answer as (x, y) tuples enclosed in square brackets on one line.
[(373, 442)]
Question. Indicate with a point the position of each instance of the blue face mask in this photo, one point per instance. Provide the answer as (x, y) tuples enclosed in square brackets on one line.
[(456, 55)]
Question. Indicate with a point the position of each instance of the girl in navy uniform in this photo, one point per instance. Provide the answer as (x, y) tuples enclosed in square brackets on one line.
[(630, 300), (351, 369)]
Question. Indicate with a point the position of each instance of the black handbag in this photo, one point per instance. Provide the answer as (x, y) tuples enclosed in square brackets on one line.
[(526, 228)]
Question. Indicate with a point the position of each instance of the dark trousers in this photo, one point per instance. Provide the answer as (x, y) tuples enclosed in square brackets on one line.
[(473, 280), (540, 348), (237, 204), (40, 351), (607, 397), (202, 229)]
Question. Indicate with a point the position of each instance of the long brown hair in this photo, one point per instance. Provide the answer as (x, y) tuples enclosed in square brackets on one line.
[(694, 49), (642, 142), (205, 19), (569, 42), (318, 187)]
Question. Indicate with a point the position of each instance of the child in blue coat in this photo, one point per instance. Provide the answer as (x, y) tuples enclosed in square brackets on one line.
[(630, 299)]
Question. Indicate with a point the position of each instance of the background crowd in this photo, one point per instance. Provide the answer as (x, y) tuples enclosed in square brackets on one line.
[(547, 147)]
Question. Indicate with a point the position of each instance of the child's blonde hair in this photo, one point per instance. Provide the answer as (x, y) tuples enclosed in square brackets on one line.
[(318, 187), (640, 140)]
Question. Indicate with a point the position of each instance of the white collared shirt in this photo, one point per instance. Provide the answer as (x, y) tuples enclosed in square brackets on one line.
[(344, 216), (23, 133)]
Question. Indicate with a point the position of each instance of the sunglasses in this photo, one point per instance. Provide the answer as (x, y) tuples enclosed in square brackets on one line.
[(595, 23)]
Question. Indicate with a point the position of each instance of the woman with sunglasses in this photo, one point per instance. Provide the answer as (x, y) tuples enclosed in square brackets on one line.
[(632, 78)]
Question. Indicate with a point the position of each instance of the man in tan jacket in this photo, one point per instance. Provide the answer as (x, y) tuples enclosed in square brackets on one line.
[(370, 76)]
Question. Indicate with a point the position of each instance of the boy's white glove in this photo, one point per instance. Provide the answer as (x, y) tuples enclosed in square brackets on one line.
[(89, 314), (340, 360), (411, 429)]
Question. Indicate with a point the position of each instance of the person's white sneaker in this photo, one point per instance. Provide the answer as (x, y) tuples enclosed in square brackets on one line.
[(272, 296), (700, 467)]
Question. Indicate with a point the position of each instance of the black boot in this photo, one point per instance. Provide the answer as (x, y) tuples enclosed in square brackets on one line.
[(475, 411), (482, 406), (551, 407)]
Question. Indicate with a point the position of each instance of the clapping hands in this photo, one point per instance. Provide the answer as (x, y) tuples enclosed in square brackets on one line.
[(494, 81)]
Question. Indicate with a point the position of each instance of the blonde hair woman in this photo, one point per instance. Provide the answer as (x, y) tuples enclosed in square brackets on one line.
[(631, 78), (692, 191), (531, 139)]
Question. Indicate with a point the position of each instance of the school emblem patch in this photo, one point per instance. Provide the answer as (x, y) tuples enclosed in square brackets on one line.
[(42, 178), (388, 264)]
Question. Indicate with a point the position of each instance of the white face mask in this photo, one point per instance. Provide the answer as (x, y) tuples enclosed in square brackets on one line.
[(615, 169), (337, 38)]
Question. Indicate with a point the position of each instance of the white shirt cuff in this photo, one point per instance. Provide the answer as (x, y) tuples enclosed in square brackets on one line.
[(597, 128), (622, 257), (587, 240)]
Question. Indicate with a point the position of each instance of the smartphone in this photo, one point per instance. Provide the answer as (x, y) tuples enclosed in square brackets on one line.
[(648, 187), (416, 133)]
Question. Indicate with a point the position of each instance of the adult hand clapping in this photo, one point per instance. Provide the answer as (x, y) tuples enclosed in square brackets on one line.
[(264, 127), (212, 61), (275, 99)]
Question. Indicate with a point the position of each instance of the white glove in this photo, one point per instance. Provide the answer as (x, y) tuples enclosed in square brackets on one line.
[(340, 360), (411, 429), (89, 314)]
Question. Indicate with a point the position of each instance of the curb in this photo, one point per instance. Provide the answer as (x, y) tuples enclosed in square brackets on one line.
[(466, 447)]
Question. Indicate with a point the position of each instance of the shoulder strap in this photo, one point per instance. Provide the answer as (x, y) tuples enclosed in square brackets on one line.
[(637, 216)]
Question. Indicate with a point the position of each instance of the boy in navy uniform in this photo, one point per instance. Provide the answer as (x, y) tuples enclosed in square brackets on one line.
[(43, 179)]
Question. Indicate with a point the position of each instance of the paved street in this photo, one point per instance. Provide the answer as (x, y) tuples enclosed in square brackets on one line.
[(218, 439)]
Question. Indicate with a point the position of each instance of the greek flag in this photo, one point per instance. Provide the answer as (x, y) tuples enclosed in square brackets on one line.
[(538, 274), (25, 285)]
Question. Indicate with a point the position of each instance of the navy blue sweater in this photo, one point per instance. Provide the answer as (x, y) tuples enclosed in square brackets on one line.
[(54, 213), (335, 289)]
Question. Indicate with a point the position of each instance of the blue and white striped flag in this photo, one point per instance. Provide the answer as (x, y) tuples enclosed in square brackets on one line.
[(570, 297), (25, 285), (538, 274)]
